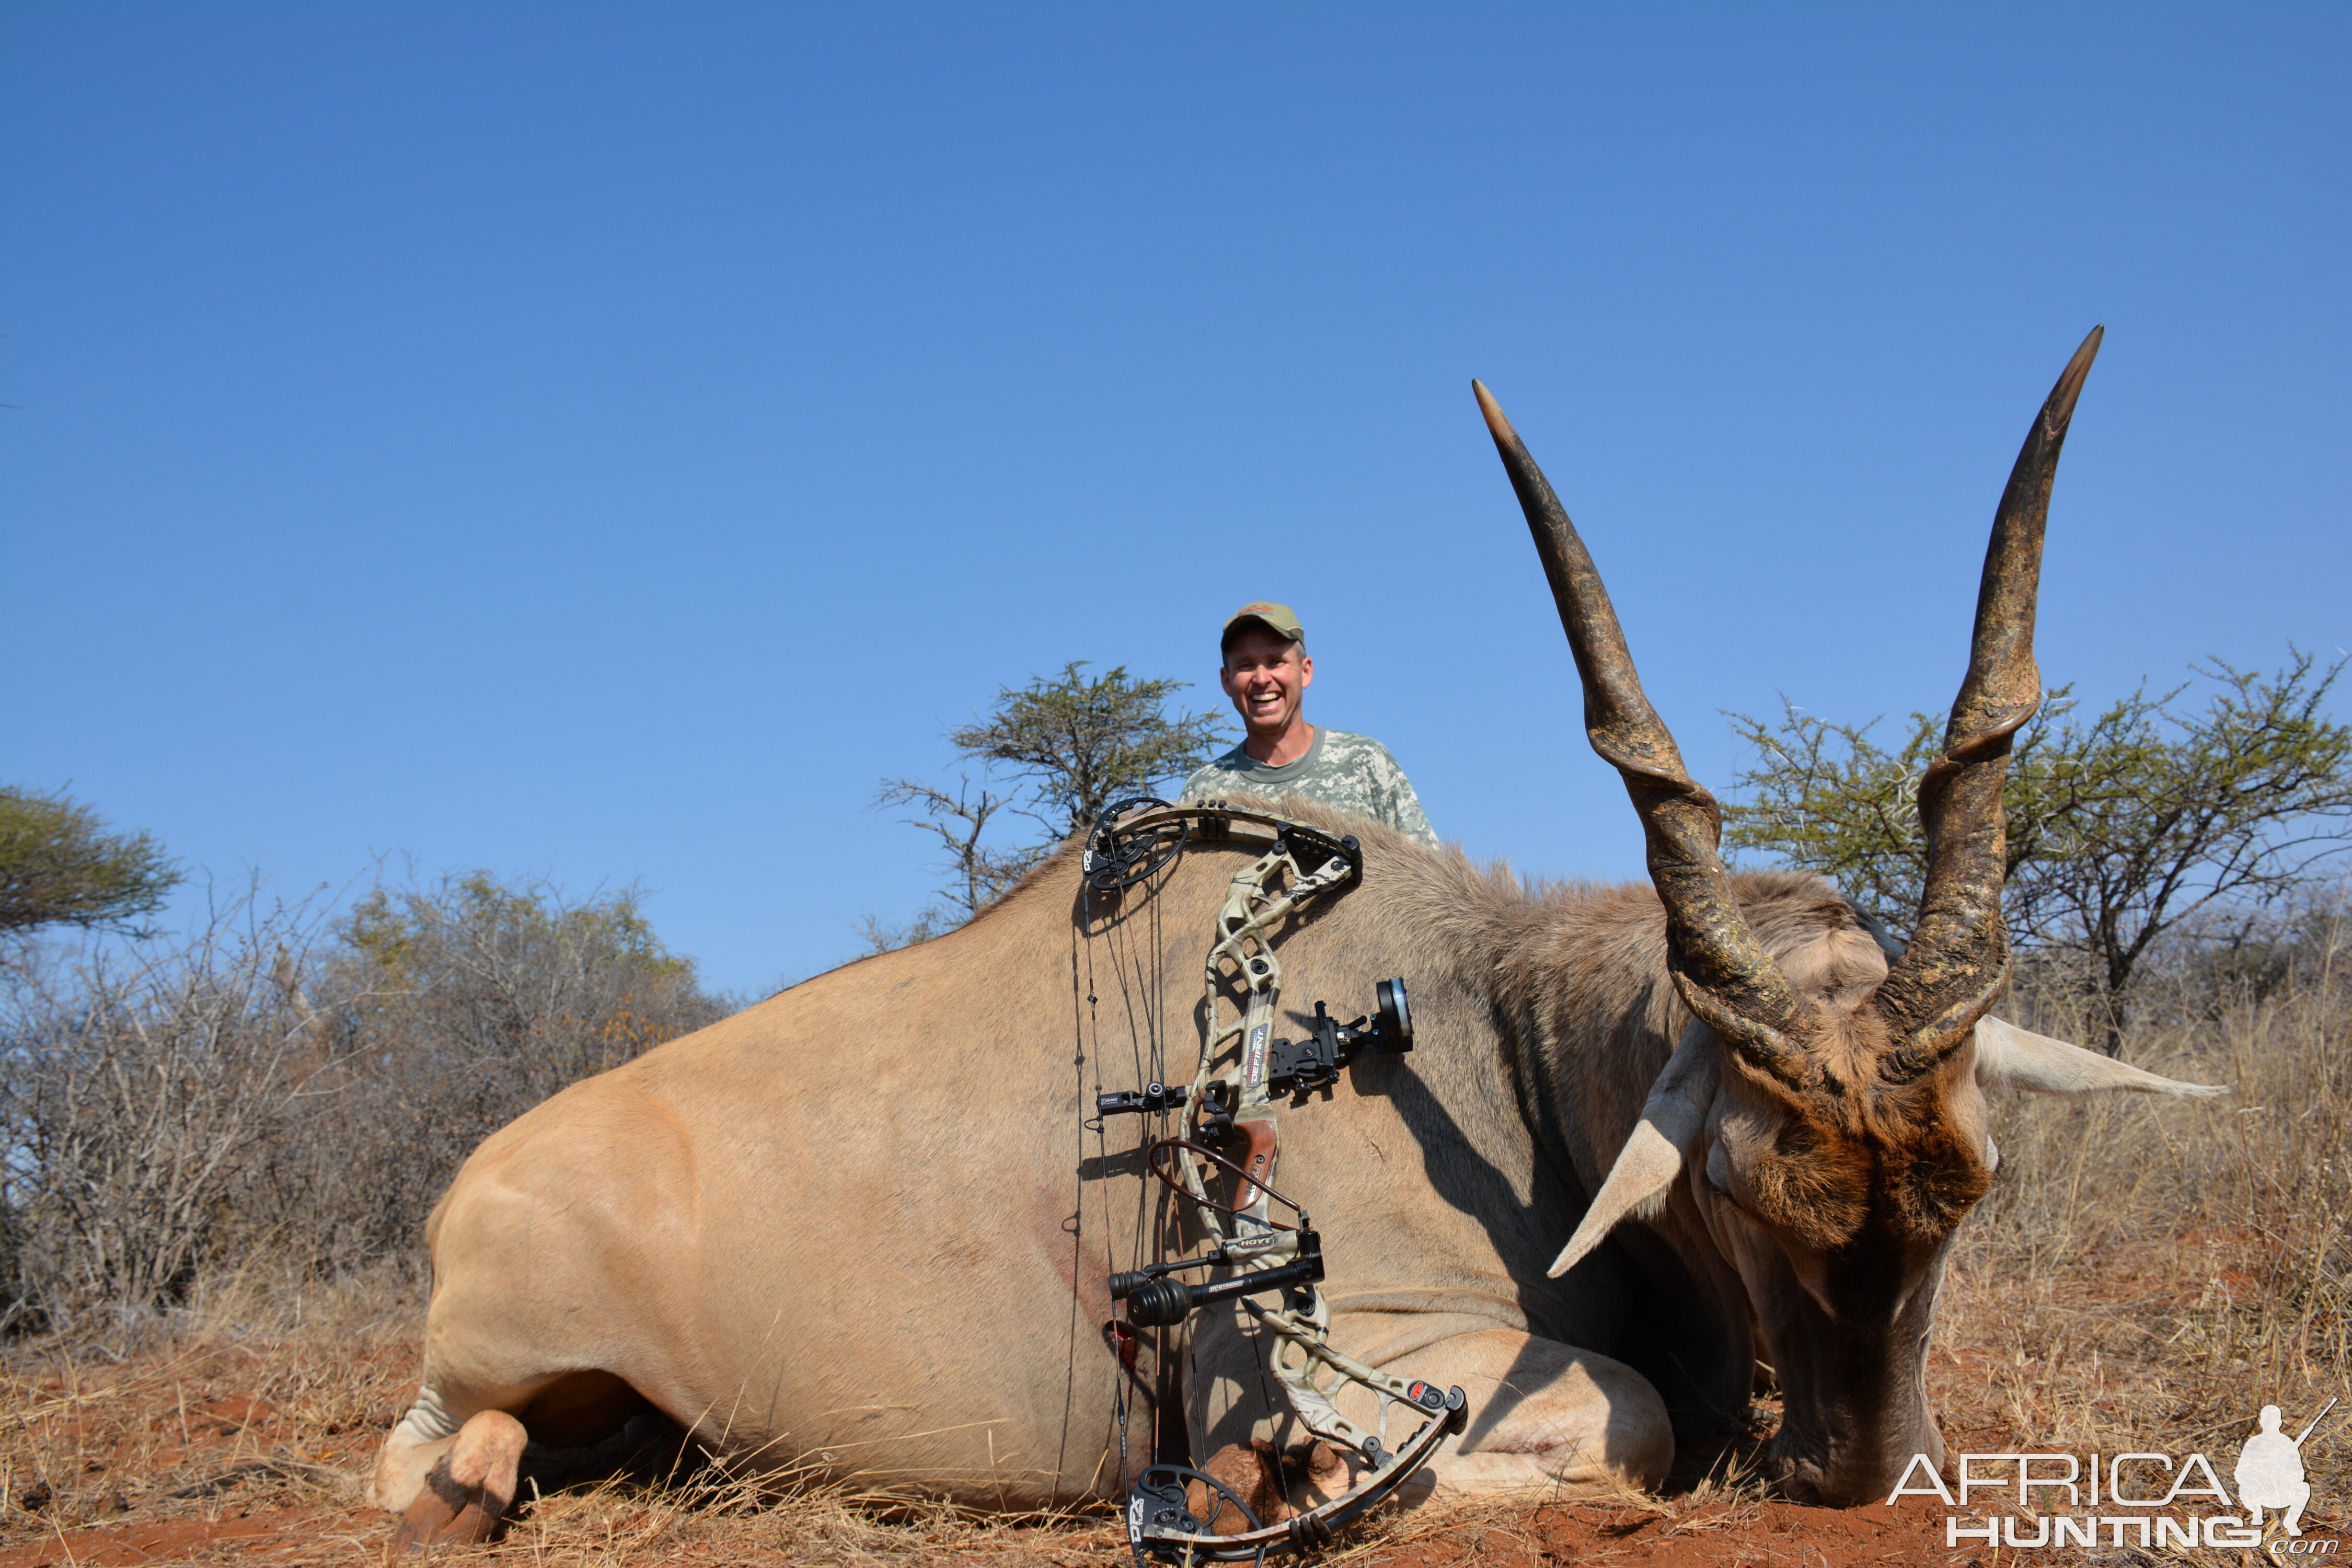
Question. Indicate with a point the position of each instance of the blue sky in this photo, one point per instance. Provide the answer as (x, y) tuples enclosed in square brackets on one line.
[(602, 441)]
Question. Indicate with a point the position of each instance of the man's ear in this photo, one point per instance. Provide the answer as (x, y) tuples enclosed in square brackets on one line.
[(1306, 670)]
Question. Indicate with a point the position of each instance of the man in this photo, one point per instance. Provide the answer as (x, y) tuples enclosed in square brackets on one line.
[(1267, 672)]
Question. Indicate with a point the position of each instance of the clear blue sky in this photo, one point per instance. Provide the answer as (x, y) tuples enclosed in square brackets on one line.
[(602, 441)]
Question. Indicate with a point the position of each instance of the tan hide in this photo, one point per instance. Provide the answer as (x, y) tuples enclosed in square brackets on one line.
[(861, 1229)]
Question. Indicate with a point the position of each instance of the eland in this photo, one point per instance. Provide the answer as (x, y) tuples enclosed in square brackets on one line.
[(1654, 1141)]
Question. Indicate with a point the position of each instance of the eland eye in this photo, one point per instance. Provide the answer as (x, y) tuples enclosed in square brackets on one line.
[(1719, 1174)]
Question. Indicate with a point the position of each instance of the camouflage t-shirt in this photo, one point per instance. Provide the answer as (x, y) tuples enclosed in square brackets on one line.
[(1354, 772)]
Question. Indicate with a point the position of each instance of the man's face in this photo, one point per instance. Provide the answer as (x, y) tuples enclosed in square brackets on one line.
[(1266, 677)]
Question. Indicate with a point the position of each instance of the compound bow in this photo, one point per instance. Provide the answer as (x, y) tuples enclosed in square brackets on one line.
[(1230, 1103)]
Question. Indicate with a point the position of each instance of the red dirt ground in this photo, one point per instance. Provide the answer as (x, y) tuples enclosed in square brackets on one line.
[(1749, 1533), (275, 1483), (233, 1448)]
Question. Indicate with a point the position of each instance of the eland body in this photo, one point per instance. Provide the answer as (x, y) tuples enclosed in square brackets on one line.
[(1648, 1136)]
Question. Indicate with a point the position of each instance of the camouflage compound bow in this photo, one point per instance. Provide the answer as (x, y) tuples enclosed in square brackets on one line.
[(1231, 1136)]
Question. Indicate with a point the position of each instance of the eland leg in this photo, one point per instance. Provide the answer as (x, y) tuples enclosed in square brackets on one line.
[(451, 1466), (1543, 1415), (1546, 1414), (459, 1486), (531, 1303)]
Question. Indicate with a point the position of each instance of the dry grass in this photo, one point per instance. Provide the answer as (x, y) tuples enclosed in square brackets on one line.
[(2153, 1272), (207, 1419), (2147, 1274), (246, 1424)]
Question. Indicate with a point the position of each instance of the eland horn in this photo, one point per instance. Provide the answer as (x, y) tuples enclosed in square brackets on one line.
[(1721, 970), (1958, 958)]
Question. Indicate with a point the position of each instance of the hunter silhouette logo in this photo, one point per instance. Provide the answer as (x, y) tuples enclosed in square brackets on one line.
[(2270, 1470), (2145, 1500)]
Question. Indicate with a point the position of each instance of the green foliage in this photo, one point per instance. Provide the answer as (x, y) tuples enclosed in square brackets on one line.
[(58, 866), (517, 979), (2120, 829), (1070, 744), (1083, 744), (395, 929), (449, 1007), (1828, 798)]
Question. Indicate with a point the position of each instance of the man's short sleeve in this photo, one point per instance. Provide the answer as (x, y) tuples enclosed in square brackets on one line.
[(1401, 807)]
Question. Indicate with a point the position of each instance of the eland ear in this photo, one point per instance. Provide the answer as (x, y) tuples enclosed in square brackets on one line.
[(2012, 1057), (1654, 1156)]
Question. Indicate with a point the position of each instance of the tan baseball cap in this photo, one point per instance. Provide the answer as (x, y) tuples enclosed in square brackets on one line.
[(1280, 620)]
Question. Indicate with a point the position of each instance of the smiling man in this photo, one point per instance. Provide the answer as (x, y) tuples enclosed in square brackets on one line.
[(1267, 672)]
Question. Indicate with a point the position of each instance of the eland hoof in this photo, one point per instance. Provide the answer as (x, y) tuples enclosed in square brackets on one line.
[(466, 1495), (1255, 1473)]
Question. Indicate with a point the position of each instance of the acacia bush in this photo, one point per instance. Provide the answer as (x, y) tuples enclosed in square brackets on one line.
[(2150, 823), (58, 866), (1058, 749), (277, 1084)]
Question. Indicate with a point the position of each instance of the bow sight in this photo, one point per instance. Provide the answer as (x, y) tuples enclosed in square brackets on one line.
[(1230, 1106), (1293, 1066), (1315, 1062)]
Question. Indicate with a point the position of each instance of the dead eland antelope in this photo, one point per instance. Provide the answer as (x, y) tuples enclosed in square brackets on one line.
[(1648, 1137)]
